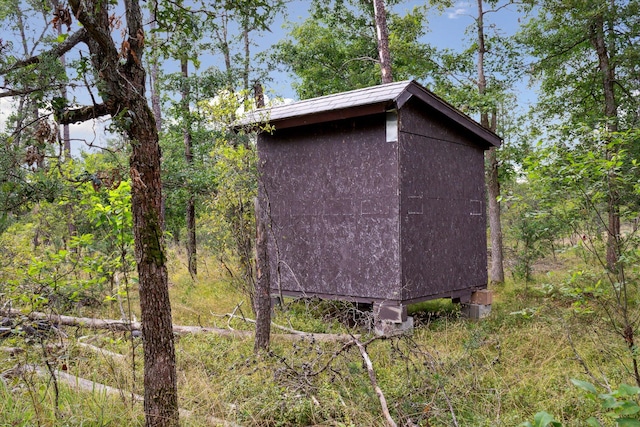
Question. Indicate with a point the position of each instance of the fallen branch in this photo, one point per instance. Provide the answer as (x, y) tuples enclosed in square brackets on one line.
[(454, 420), (102, 351), (120, 325), (249, 320), (113, 324), (294, 332), (83, 384), (374, 383)]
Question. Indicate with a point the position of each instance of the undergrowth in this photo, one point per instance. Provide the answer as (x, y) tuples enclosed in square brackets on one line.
[(450, 371)]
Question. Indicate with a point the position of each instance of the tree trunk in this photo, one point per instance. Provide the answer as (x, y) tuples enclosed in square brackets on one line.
[(122, 78), (188, 154), (496, 269), (246, 63), (262, 300), (160, 381), (154, 85), (607, 71), (382, 33)]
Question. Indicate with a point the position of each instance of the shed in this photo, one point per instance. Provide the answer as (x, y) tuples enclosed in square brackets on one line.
[(375, 195)]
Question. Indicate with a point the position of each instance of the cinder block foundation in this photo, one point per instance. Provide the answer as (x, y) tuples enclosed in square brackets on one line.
[(390, 311), (387, 328), (475, 311), (391, 319), (479, 305)]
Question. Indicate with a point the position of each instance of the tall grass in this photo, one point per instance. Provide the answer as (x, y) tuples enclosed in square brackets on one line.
[(495, 372)]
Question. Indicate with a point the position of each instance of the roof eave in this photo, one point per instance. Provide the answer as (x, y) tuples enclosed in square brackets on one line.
[(411, 89), (330, 115), (451, 113)]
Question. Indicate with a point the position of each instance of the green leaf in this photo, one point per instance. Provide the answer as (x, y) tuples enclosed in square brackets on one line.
[(627, 390), (609, 402), (587, 386), (629, 408), (545, 419), (62, 37), (628, 422), (593, 422)]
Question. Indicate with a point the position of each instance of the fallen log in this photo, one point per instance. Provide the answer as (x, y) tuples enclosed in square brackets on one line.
[(120, 325), (113, 324), (83, 384), (294, 333)]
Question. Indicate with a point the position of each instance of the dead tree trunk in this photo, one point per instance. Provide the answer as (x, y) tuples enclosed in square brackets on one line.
[(262, 300), (60, 10), (188, 154), (496, 270), (382, 33)]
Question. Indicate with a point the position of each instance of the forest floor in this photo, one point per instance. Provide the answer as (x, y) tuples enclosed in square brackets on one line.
[(450, 371)]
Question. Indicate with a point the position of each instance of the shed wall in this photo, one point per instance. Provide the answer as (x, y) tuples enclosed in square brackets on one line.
[(333, 191), (442, 209)]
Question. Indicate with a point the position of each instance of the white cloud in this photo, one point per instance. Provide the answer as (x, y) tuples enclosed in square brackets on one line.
[(6, 108), (460, 8)]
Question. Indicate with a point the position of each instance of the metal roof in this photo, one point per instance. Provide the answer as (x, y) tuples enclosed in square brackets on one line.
[(360, 102)]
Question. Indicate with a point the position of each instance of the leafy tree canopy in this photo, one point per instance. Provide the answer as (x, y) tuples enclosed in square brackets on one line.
[(561, 38), (335, 49)]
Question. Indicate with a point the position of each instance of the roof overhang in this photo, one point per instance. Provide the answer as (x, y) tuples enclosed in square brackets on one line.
[(364, 102)]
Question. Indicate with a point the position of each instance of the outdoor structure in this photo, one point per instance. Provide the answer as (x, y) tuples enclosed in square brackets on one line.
[(376, 196)]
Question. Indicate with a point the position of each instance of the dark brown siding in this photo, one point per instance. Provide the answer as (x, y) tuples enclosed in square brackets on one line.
[(334, 209), (443, 231)]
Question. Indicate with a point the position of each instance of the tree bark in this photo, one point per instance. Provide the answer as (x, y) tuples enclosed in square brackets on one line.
[(161, 399), (262, 300), (123, 91), (382, 33), (496, 269)]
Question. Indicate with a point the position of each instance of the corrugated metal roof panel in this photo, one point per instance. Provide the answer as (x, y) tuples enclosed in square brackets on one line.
[(354, 98), (360, 102)]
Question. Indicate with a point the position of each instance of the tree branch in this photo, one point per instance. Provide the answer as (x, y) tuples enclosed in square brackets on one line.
[(62, 48), (134, 27), (27, 91), (82, 114), (374, 384), (96, 31)]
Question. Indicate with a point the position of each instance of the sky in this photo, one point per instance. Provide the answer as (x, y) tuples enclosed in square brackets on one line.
[(446, 30)]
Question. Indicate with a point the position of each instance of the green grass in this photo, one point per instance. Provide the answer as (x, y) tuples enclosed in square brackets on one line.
[(495, 372)]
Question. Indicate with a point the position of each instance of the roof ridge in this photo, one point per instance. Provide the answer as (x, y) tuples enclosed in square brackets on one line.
[(350, 92), (363, 101)]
